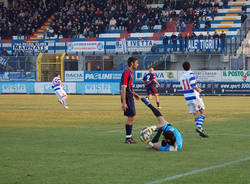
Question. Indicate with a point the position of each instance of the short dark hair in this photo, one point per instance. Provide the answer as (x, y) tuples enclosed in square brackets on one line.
[(169, 135), (186, 65), (56, 74), (131, 60)]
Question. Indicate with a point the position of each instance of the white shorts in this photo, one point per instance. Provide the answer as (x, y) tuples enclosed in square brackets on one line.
[(195, 105), (60, 93)]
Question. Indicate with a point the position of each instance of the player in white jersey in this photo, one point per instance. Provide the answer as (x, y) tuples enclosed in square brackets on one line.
[(193, 98), (60, 93)]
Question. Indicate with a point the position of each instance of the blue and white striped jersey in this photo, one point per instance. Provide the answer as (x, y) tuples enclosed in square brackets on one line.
[(188, 82), (56, 83)]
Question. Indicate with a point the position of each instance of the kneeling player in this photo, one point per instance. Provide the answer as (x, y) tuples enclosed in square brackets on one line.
[(172, 138)]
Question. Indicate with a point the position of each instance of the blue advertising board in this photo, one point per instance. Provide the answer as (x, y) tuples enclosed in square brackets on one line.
[(31, 47), (17, 87), (102, 76), (166, 88), (98, 88), (129, 45), (17, 76)]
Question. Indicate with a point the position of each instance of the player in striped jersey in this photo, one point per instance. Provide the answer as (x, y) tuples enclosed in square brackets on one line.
[(193, 98), (60, 93), (127, 97)]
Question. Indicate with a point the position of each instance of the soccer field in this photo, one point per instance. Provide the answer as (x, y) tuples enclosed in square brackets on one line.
[(42, 143)]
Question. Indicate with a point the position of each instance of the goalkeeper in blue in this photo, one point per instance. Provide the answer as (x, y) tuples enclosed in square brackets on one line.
[(172, 138)]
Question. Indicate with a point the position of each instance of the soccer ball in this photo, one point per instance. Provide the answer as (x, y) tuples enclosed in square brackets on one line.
[(145, 135)]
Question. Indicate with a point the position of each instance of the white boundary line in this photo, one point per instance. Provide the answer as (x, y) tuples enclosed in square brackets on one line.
[(198, 171)]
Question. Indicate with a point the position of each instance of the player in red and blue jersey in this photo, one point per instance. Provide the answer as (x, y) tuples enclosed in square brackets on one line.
[(150, 83), (127, 97)]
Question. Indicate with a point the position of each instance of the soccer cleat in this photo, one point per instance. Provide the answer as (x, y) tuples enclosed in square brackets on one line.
[(201, 132), (130, 141), (66, 107), (158, 108), (145, 100)]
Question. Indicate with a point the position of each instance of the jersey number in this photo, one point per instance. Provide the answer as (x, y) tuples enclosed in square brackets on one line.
[(186, 86)]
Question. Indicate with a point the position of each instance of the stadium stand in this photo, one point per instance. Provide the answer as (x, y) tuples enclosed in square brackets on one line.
[(113, 20), (90, 18), (25, 17)]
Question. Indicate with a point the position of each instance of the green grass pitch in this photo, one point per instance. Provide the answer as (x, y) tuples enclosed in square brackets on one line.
[(42, 143)]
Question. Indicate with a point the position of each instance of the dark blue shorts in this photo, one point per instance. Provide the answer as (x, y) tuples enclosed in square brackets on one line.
[(152, 90), (131, 106)]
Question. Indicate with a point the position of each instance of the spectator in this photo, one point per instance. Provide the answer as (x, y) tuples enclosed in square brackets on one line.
[(216, 4), (174, 41), (135, 53), (50, 32), (216, 36), (112, 23), (223, 37), (187, 37), (208, 36), (193, 36), (5, 53), (207, 24), (154, 49), (225, 3), (183, 27), (180, 38), (165, 43), (130, 26), (243, 17), (214, 12), (177, 26), (200, 37), (244, 8), (196, 25), (204, 14)]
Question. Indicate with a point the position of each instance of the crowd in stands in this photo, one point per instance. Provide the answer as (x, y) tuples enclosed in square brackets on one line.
[(200, 12), (91, 18), (25, 17)]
